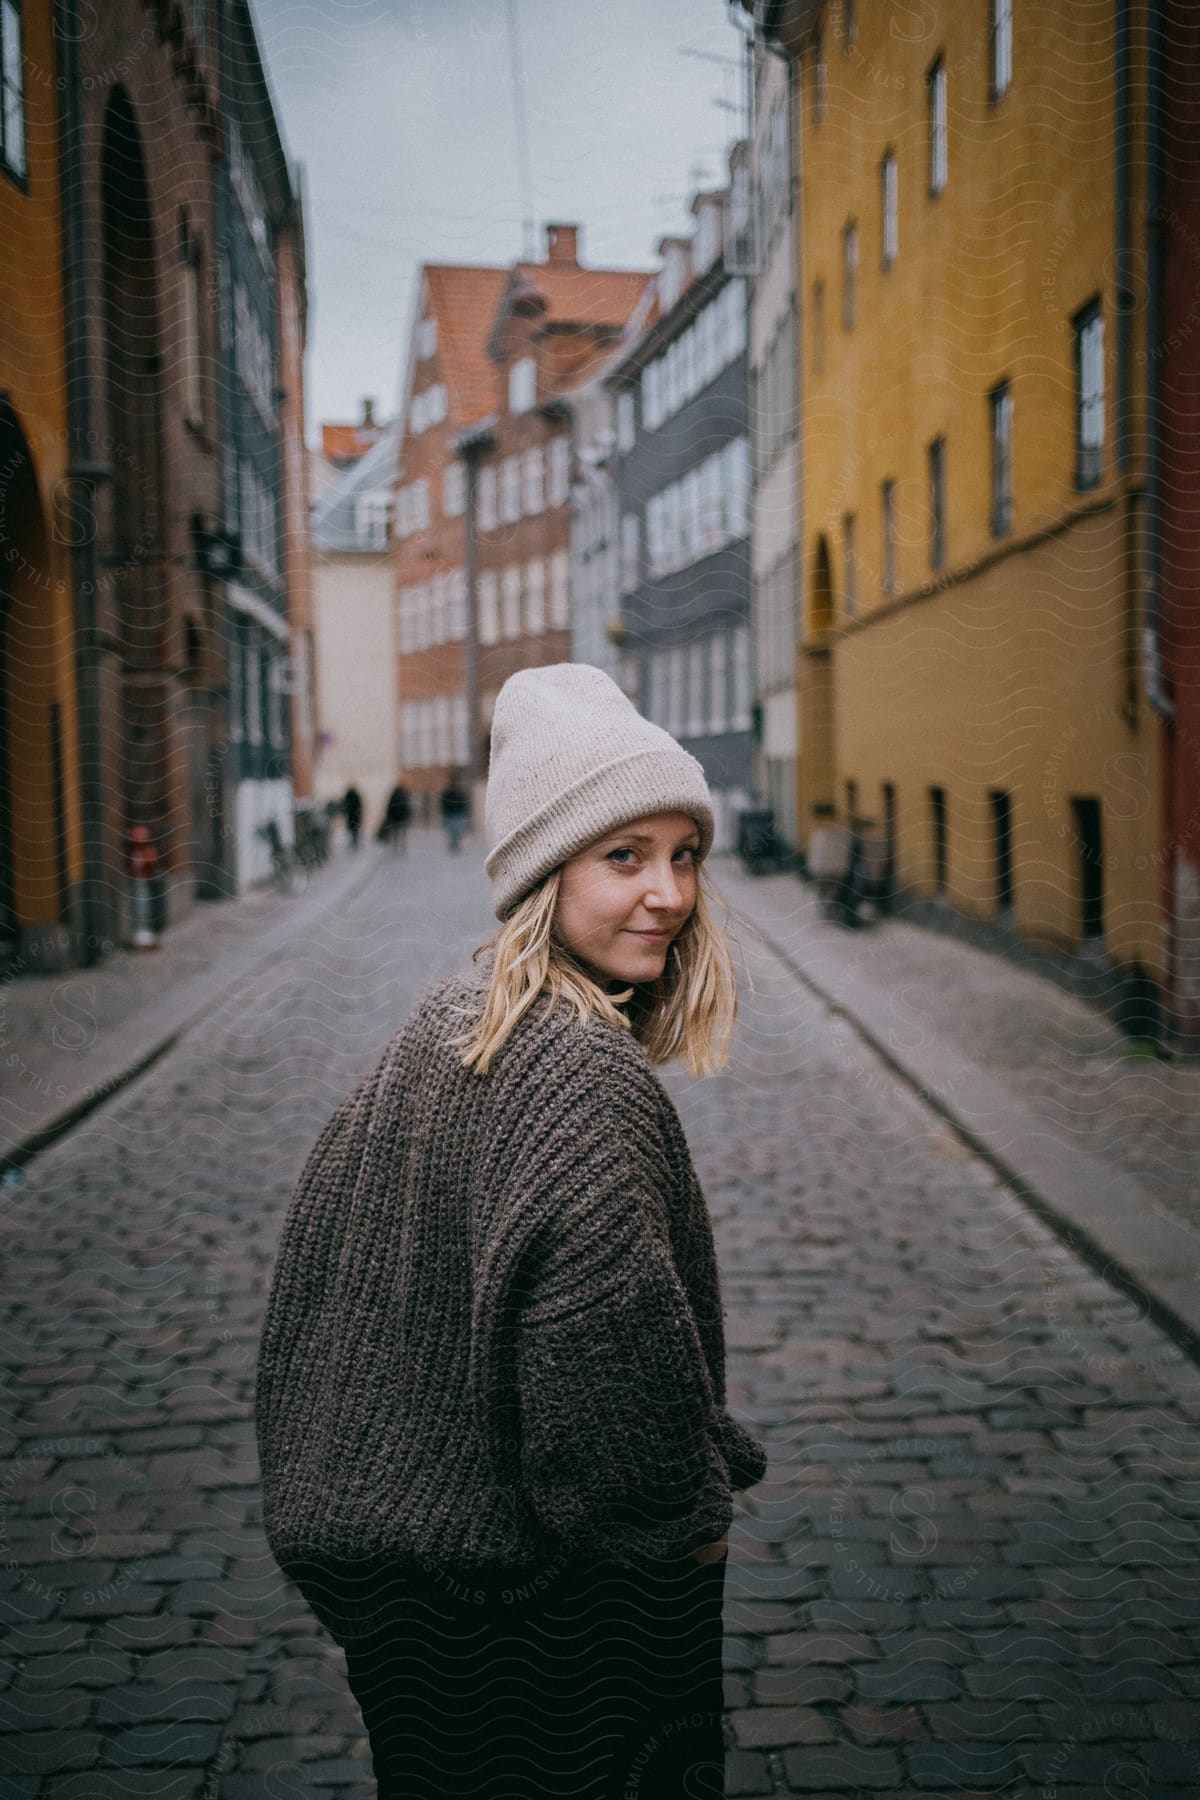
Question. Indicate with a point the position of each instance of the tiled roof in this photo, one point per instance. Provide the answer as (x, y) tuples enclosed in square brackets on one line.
[(463, 298), (346, 442), (335, 518)]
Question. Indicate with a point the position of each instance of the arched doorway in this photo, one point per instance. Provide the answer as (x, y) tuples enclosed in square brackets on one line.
[(814, 683), (138, 574), (33, 829)]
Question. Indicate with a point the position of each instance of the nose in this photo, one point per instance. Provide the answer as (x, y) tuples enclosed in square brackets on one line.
[(665, 887)]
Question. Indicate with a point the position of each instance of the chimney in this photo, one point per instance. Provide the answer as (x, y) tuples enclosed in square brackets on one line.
[(562, 244), (368, 418)]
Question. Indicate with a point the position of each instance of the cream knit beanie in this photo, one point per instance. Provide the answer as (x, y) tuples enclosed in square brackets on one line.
[(572, 758)]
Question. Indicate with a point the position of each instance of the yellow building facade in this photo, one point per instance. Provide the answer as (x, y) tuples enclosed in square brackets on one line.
[(969, 680), (40, 848)]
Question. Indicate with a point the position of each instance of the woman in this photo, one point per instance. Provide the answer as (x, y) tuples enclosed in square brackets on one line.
[(491, 1412)]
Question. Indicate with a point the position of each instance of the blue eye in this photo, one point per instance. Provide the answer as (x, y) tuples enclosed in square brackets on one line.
[(689, 850)]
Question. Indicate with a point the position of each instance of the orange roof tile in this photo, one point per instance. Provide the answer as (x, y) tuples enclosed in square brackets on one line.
[(463, 297)]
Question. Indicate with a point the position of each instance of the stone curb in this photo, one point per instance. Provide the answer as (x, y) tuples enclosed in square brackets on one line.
[(137, 1044), (1103, 1216)]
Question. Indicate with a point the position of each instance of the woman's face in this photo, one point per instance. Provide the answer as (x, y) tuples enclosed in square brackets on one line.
[(627, 895)]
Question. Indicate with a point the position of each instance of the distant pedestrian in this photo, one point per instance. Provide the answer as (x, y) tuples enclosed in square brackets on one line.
[(396, 817), (352, 812), (497, 1458), (455, 807)]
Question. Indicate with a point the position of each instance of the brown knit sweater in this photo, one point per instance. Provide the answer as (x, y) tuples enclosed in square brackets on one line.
[(494, 1333)]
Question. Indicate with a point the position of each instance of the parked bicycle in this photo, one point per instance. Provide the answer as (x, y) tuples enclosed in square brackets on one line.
[(286, 873)]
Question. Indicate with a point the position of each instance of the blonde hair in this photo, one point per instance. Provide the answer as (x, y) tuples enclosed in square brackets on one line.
[(687, 1012)]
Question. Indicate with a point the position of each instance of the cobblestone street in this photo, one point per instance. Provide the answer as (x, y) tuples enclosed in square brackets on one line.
[(971, 1571)]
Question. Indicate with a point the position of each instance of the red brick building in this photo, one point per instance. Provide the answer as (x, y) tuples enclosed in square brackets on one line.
[(501, 346), (141, 131)]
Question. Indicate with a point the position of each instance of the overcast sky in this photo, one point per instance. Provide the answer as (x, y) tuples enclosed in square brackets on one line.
[(402, 113)]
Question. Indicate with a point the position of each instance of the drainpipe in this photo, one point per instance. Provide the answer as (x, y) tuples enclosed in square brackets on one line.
[(1156, 689), (86, 470)]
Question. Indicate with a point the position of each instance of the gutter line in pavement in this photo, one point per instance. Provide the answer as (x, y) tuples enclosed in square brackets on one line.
[(1100, 1215)]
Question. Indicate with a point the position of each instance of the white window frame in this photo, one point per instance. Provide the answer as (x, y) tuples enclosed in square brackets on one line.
[(454, 490), (456, 623), (13, 148), (743, 693), (718, 683), (1001, 46), (426, 337), (489, 607), (939, 150), (535, 596), (485, 499), (560, 471), (626, 420), (560, 591), (630, 552), (891, 209), (522, 385), (510, 602), (510, 490), (533, 483), (696, 673)]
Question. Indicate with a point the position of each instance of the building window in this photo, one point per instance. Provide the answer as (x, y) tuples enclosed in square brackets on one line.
[(630, 552), (510, 489), (937, 503), (1000, 405), (535, 597), (1002, 829), (742, 683), (457, 624), (937, 811), (676, 677), (560, 616), (938, 152), (718, 682), (454, 490), (849, 565), (560, 471), (625, 420), (820, 78), (1001, 46), (486, 499), (489, 610), (372, 519), (533, 485), (849, 273), (817, 328), (849, 24), (419, 505), (191, 313), (888, 498), (510, 602), (237, 684), (426, 338), (427, 408), (890, 201), (1089, 394), (695, 709), (12, 91), (254, 706), (1089, 839), (736, 482), (522, 385)]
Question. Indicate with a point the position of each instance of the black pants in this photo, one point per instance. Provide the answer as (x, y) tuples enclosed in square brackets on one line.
[(603, 1685)]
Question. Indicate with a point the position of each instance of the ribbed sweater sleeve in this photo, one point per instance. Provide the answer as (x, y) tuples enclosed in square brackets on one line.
[(590, 1373)]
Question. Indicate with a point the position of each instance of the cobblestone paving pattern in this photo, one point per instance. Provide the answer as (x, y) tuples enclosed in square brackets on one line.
[(972, 1569)]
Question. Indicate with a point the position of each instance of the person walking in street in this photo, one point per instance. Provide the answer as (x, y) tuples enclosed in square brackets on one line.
[(352, 812), (490, 1400), (455, 807), (396, 817)]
